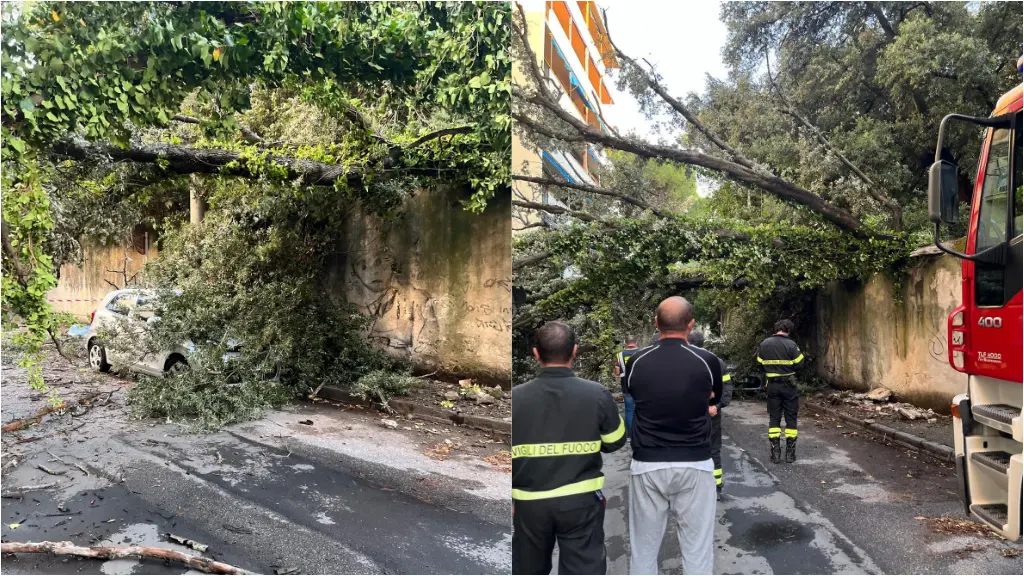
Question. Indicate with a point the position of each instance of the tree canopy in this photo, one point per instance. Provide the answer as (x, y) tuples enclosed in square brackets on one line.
[(280, 115), (816, 146)]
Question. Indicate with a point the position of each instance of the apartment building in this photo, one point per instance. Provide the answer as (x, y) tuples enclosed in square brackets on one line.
[(572, 47)]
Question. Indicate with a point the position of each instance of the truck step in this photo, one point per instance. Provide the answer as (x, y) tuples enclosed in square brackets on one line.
[(998, 412), (998, 461), (994, 514)]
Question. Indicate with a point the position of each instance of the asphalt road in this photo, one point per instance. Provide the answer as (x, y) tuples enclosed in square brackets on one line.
[(274, 496), (849, 505)]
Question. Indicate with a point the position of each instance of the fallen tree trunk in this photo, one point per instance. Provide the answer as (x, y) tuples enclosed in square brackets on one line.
[(120, 552), (185, 160)]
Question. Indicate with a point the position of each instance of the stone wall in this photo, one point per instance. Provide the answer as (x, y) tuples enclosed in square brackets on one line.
[(437, 283), (866, 339)]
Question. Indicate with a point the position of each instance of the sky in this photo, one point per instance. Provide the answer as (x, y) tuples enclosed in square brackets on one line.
[(683, 40)]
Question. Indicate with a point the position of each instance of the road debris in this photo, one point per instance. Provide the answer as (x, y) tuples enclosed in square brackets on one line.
[(950, 525), (502, 460), (19, 492), (35, 418), (187, 542), (1010, 552), (388, 423), (442, 450), (880, 394), (49, 471), (120, 552)]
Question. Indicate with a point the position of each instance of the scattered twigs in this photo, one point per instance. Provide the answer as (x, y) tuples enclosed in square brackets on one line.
[(35, 418), (121, 552), (19, 492)]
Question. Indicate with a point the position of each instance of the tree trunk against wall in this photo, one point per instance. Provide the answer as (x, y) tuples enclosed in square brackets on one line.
[(196, 204)]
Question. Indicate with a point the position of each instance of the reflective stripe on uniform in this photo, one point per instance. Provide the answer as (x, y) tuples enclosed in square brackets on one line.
[(774, 432), (558, 448), (780, 362), (726, 378), (614, 436), (791, 432), (774, 375), (718, 476), (583, 487), (622, 361)]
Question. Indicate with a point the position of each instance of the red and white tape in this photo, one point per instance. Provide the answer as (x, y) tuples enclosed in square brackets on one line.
[(71, 300)]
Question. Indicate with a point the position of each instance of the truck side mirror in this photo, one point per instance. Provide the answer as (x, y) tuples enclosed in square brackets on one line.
[(943, 193)]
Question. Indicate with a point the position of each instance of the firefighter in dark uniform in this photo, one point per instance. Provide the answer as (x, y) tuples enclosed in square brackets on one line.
[(620, 372), (562, 425), (696, 338), (781, 358)]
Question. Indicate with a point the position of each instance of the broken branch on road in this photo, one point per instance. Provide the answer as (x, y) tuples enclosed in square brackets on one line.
[(120, 552)]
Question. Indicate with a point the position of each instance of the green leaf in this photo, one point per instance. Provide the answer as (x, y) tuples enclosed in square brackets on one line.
[(27, 105), (50, 116)]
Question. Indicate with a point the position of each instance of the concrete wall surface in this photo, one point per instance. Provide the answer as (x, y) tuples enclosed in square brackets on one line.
[(437, 283), (866, 339)]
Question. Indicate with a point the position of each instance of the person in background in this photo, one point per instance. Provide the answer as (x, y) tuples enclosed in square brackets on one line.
[(620, 371), (781, 358), (672, 472), (696, 338), (562, 424)]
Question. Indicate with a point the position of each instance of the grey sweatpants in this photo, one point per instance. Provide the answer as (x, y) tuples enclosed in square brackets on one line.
[(689, 494)]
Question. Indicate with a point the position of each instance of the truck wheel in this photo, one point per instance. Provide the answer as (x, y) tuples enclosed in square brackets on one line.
[(98, 356)]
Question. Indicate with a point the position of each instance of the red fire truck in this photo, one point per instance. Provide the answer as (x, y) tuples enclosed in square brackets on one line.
[(984, 332)]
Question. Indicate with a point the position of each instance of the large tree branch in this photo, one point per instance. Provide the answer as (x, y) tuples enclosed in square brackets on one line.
[(882, 20), (114, 552), (768, 182), (872, 188), (249, 136), (530, 260), (440, 134), (772, 184), (653, 84), (626, 198), (552, 209), (184, 160)]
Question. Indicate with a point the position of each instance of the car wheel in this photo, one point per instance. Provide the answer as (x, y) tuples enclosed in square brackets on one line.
[(98, 357), (175, 365)]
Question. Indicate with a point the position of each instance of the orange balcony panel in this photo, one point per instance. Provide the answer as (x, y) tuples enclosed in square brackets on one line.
[(561, 11), (598, 32)]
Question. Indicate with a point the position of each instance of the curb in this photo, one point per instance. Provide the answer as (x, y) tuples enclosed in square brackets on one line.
[(430, 413), (909, 440)]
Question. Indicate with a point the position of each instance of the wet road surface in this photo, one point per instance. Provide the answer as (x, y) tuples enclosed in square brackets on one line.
[(342, 496), (849, 505)]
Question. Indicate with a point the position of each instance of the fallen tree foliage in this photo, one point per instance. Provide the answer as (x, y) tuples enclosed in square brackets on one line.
[(120, 552)]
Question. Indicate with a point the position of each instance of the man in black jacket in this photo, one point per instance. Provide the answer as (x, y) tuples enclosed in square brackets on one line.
[(781, 358), (696, 338), (671, 383), (561, 424)]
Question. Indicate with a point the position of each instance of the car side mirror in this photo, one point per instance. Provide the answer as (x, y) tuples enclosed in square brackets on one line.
[(943, 193)]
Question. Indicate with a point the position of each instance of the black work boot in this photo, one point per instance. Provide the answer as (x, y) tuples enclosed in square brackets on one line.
[(776, 450), (790, 450)]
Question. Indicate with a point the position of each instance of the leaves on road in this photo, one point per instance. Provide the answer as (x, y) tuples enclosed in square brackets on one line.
[(958, 526), (502, 460)]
